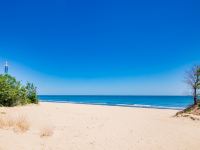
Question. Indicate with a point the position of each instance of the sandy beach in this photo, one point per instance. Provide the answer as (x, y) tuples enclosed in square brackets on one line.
[(92, 127)]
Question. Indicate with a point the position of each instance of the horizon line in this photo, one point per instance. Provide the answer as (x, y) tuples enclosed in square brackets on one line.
[(102, 95)]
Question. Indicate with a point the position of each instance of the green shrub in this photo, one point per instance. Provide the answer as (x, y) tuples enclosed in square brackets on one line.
[(31, 93), (13, 93), (198, 104)]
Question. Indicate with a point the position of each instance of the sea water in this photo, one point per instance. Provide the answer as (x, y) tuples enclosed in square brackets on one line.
[(162, 102)]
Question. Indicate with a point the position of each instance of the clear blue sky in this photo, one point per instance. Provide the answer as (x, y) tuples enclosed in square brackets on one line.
[(101, 46)]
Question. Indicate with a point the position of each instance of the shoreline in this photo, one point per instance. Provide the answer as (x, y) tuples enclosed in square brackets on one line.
[(116, 105)]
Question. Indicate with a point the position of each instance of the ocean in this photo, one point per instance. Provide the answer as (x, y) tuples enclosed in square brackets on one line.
[(161, 102)]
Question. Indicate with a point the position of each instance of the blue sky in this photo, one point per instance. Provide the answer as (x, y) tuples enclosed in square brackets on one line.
[(101, 46)]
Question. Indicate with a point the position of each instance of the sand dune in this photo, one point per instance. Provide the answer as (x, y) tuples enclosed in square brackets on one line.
[(56, 126)]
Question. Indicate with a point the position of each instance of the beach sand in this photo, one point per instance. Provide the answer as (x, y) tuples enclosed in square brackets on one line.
[(61, 126)]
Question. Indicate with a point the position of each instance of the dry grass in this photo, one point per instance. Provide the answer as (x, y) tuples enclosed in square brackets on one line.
[(22, 124), (10, 122), (2, 122), (192, 112), (3, 112), (6, 122), (46, 132), (19, 124)]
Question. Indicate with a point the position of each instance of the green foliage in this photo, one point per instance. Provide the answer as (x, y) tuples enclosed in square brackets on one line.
[(13, 93), (31, 93), (188, 109), (198, 104)]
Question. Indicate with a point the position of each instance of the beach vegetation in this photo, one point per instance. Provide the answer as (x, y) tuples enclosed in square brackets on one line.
[(31, 93), (193, 80), (13, 93), (46, 132), (19, 124)]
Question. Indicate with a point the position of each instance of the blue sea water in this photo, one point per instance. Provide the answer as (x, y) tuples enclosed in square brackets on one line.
[(162, 102)]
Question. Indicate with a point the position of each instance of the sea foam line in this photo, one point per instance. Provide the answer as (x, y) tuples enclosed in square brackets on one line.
[(123, 105)]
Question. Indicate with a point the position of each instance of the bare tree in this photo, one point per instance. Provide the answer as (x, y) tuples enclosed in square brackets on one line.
[(193, 80)]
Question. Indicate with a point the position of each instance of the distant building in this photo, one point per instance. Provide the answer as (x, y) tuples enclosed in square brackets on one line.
[(6, 68)]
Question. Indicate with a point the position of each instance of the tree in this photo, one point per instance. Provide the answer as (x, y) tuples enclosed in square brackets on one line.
[(193, 80), (9, 87), (31, 93), (13, 93)]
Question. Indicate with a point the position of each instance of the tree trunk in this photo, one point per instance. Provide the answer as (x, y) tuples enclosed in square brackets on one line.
[(195, 96)]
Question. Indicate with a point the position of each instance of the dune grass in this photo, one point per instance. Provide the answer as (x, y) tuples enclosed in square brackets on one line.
[(18, 124), (22, 124), (46, 132)]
